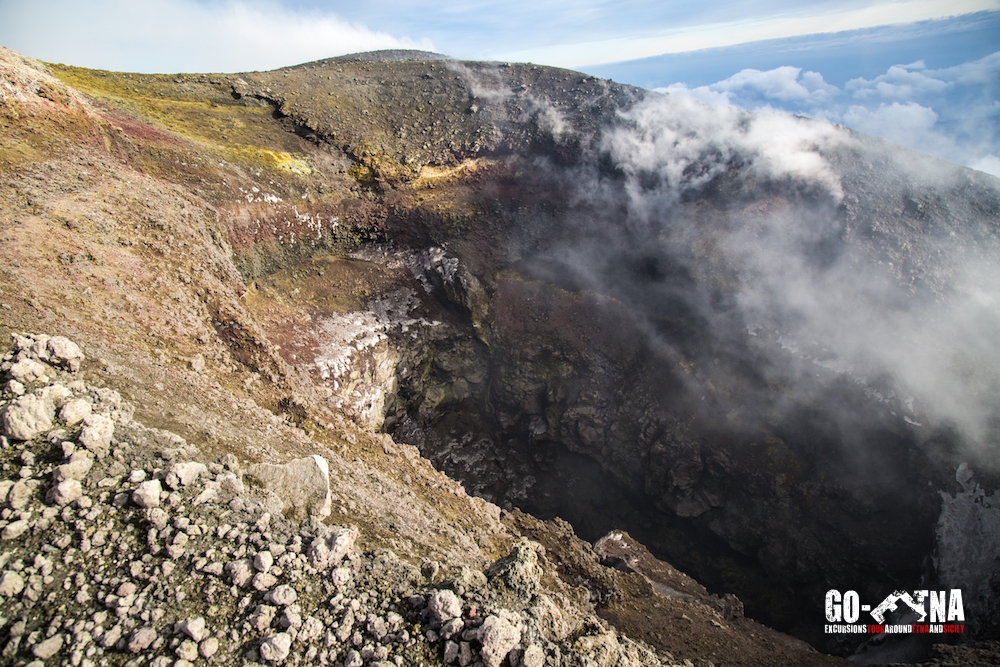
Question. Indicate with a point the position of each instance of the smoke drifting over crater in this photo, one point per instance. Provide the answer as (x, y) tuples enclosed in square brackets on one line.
[(760, 343), (755, 225)]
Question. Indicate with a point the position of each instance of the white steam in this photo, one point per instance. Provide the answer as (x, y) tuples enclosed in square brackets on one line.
[(688, 143), (822, 285)]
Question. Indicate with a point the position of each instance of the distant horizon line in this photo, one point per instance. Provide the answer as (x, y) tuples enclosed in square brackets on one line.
[(722, 35)]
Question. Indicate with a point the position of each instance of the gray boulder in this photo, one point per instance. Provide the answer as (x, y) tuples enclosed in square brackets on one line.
[(27, 417), (97, 433), (303, 485)]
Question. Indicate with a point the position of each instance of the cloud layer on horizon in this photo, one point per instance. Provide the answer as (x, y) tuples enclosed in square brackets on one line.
[(952, 113)]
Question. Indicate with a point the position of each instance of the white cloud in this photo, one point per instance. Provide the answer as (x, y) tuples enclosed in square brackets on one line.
[(900, 83), (782, 83), (989, 164), (950, 113), (183, 35), (909, 124)]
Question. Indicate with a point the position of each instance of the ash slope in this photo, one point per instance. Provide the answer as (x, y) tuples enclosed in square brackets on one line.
[(541, 279)]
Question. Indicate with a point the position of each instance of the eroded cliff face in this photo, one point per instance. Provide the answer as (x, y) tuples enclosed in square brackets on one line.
[(577, 298)]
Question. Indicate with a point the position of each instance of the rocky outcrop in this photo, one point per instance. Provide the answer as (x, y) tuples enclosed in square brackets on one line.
[(159, 564), (303, 485)]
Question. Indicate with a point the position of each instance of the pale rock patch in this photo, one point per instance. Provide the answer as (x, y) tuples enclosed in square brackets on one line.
[(302, 484), (276, 647), (327, 550), (65, 492), (27, 416), (147, 494), (75, 411), (97, 433), (28, 370), (11, 584)]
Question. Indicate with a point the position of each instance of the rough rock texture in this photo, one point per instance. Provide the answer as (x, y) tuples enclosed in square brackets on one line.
[(261, 268), (161, 572), (177, 579), (27, 416), (303, 485)]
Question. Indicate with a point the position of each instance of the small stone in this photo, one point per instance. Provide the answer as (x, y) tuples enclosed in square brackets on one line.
[(353, 659), (292, 618), (312, 628), (188, 650), (15, 388), (55, 394), (141, 639), (198, 363), (97, 433), (263, 581), (193, 628), (276, 647), (147, 494), (20, 494), (48, 648), (263, 561), (464, 654), (240, 572), (450, 652), (302, 484), (27, 416), (282, 595), (64, 352), (498, 636), (137, 476), (208, 647), (28, 370), (188, 473), (533, 656), (209, 494), (341, 575), (79, 465), (230, 484), (328, 550), (14, 529), (158, 517), (65, 492), (444, 605), (11, 584), (262, 617), (111, 637), (452, 627), (75, 411)]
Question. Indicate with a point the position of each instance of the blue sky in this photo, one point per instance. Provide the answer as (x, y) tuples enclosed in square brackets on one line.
[(919, 72), (933, 86)]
